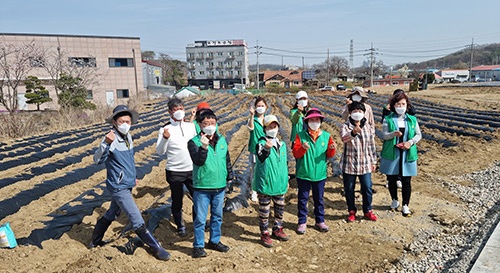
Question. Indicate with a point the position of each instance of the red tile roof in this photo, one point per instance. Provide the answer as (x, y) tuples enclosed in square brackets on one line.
[(287, 74), (486, 67)]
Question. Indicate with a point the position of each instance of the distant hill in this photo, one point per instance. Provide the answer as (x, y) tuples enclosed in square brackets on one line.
[(482, 55)]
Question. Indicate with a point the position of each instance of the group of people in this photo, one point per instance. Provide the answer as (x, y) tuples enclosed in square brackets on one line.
[(198, 159)]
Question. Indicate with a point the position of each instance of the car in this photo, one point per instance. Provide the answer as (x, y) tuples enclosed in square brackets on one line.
[(340, 87), (327, 88)]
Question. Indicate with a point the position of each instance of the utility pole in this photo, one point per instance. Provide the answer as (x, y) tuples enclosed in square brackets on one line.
[(304, 67), (351, 57), (372, 54), (328, 66), (471, 54), (257, 51)]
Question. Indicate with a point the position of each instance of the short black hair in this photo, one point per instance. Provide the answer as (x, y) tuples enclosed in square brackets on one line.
[(397, 91), (355, 106), (174, 102), (207, 113)]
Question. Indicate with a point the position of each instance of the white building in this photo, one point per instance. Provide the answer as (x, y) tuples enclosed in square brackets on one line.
[(217, 64), (450, 75)]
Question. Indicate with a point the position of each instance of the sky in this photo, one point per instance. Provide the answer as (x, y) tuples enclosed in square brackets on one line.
[(292, 32)]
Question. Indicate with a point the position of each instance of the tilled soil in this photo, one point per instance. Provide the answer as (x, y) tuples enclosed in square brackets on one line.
[(62, 188)]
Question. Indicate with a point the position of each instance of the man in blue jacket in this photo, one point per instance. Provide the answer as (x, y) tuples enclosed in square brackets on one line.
[(117, 151)]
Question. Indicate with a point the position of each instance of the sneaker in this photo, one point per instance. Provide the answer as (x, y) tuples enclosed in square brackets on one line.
[(406, 211), (199, 252), (265, 238), (322, 227), (181, 231), (301, 229), (254, 197), (352, 216), (399, 184), (218, 246), (279, 234), (370, 216), (394, 205)]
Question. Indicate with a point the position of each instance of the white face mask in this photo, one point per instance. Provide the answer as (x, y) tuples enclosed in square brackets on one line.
[(302, 103), (400, 110), (357, 116), (179, 115), (209, 130), (272, 132), (356, 97), (123, 128), (260, 109), (314, 125)]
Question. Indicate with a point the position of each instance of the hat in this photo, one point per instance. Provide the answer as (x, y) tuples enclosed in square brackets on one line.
[(121, 109), (301, 94), (358, 90), (314, 113), (203, 105), (270, 119)]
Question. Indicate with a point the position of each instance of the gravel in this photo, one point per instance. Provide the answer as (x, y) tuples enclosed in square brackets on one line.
[(454, 247)]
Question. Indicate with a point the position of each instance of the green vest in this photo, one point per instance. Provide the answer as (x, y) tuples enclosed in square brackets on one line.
[(255, 135), (271, 176), (297, 127), (212, 174), (389, 151), (312, 166)]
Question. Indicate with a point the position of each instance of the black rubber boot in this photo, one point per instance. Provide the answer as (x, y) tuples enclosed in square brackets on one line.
[(181, 228), (100, 228), (159, 252)]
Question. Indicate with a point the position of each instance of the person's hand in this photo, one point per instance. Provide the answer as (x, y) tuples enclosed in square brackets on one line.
[(204, 142), (348, 101), (193, 112), (305, 145), (268, 144), (333, 146), (136, 181), (406, 145), (110, 137), (357, 129), (166, 133), (252, 110), (374, 167), (397, 133), (300, 108)]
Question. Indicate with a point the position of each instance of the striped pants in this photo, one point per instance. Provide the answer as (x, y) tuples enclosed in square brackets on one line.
[(265, 209)]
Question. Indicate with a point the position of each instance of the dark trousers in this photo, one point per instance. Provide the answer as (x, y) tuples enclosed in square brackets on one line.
[(318, 190), (176, 180), (406, 189)]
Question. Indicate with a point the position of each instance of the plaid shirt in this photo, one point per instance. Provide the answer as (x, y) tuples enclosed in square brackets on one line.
[(359, 151)]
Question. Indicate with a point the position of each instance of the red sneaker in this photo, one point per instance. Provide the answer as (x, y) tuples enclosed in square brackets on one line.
[(352, 216), (265, 238), (279, 234), (371, 216)]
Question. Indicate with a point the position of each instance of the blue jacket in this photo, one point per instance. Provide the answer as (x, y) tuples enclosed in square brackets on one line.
[(119, 159)]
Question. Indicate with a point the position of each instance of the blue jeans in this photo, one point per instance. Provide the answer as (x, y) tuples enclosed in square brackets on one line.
[(318, 190), (366, 190), (202, 199), (123, 200)]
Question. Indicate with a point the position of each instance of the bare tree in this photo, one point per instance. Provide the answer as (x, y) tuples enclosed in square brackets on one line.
[(16, 62), (337, 66), (59, 62)]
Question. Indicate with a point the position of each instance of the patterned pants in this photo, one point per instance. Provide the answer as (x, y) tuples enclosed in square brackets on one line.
[(265, 209)]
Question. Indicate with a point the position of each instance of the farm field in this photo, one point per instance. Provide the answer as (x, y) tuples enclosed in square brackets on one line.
[(53, 194)]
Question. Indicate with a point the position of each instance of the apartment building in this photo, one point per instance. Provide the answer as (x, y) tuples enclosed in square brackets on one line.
[(115, 63), (219, 64)]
